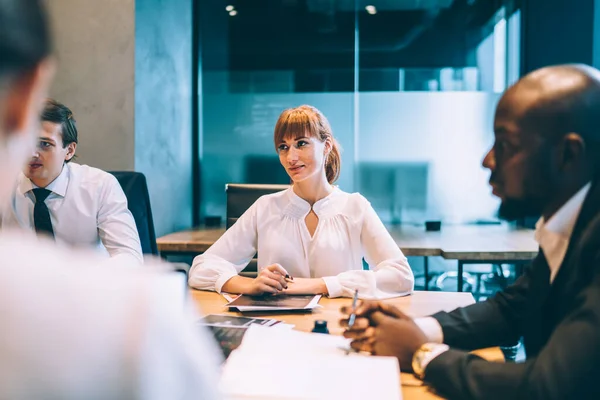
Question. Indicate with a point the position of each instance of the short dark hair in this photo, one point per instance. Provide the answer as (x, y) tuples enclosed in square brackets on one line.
[(58, 113), (25, 38)]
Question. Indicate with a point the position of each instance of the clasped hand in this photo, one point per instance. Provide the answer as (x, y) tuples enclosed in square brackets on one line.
[(382, 329)]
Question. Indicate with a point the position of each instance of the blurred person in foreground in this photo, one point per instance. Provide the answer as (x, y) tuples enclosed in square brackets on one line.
[(71, 328)]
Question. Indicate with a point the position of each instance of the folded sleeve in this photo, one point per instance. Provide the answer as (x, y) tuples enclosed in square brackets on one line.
[(228, 256), (567, 366), (390, 276), (497, 321), (116, 226)]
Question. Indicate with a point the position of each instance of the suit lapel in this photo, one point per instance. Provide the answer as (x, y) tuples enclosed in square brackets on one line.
[(549, 302), (538, 295), (570, 278), (589, 210)]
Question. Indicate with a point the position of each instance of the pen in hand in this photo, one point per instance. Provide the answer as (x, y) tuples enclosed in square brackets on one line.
[(353, 315)]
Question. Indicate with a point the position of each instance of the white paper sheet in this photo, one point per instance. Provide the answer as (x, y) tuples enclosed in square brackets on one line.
[(282, 364)]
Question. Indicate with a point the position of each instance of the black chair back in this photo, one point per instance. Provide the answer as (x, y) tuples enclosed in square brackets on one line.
[(138, 201), (241, 196)]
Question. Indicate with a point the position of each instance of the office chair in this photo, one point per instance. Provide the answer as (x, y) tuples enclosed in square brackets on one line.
[(239, 198), (135, 187), (138, 201)]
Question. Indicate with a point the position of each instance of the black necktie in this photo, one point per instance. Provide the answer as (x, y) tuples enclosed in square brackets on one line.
[(41, 214)]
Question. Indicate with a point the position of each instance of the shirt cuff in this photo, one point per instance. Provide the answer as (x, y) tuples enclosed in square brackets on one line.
[(431, 328), (334, 287), (221, 280)]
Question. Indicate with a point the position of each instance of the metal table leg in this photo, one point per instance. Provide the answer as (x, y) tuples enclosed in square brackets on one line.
[(459, 278), (426, 271)]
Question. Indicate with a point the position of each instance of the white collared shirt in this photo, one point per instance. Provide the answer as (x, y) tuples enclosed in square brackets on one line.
[(74, 327), (553, 237), (88, 209), (348, 230)]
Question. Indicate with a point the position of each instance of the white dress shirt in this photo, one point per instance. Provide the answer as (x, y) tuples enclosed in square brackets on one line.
[(76, 328), (553, 237), (348, 230), (87, 208)]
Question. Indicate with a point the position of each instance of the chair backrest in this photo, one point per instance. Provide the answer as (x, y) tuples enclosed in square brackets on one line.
[(138, 201), (241, 196)]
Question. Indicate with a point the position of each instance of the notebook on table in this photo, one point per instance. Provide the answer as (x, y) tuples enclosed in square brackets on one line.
[(281, 302), (229, 330), (228, 338), (236, 321)]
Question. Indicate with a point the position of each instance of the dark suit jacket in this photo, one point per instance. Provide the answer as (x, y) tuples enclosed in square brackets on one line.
[(560, 325)]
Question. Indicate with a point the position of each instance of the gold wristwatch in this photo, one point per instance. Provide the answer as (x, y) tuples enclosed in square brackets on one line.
[(424, 355)]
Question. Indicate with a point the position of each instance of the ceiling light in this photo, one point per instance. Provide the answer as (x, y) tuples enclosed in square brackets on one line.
[(229, 8), (233, 13), (371, 10)]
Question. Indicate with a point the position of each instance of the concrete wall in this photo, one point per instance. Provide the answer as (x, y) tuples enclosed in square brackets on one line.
[(125, 70), (95, 44), (163, 113)]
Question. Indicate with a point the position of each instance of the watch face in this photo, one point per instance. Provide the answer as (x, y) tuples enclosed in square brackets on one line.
[(417, 362), (422, 356)]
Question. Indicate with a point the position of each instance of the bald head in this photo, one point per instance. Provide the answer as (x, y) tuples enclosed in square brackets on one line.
[(547, 140), (557, 100)]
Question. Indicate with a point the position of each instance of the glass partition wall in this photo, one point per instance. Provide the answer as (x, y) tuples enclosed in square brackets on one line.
[(409, 87)]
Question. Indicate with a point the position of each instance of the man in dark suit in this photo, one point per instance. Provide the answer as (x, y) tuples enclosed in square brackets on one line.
[(545, 161)]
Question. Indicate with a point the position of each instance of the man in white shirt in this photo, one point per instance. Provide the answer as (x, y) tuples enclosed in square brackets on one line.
[(73, 327), (545, 161), (78, 205)]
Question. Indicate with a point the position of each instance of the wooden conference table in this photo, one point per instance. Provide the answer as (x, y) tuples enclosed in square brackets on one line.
[(467, 244), (416, 305)]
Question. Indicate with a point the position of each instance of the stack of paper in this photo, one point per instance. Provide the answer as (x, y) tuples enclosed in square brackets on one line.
[(281, 364), (282, 302)]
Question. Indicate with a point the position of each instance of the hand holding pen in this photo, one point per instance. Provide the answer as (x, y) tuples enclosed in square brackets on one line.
[(370, 326), (271, 279)]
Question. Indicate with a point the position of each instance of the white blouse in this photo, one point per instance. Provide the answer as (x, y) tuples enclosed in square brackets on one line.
[(348, 230)]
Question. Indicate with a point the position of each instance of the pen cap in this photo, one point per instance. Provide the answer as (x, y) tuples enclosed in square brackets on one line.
[(320, 326)]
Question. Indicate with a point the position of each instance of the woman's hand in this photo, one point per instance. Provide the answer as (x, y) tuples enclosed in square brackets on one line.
[(270, 279), (274, 279)]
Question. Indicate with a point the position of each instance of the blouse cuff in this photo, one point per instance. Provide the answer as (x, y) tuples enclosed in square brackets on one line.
[(334, 287), (222, 279)]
